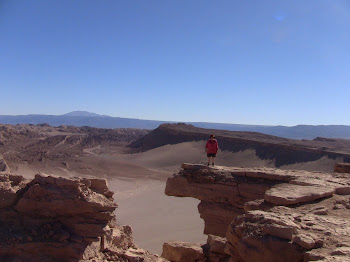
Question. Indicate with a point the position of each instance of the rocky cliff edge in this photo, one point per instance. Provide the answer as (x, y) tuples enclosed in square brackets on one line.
[(62, 219), (261, 214)]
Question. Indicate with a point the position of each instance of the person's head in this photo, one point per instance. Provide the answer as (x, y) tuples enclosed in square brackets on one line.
[(212, 137)]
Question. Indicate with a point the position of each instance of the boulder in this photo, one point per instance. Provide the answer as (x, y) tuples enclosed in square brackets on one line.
[(182, 251), (217, 244)]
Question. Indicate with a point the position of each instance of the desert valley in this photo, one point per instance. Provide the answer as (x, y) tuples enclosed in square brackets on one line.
[(137, 164), (114, 112)]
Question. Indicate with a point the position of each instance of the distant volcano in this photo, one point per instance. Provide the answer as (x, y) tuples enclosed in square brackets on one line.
[(83, 113)]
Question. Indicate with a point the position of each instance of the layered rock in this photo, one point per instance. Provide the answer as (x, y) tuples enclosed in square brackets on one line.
[(342, 168), (269, 214), (62, 219)]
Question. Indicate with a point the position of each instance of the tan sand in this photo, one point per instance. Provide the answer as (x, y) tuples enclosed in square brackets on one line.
[(323, 164), (170, 157), (154, 217)]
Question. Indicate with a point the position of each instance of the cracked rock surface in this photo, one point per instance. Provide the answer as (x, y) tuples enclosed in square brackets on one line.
[(61, 219), (265, 214)]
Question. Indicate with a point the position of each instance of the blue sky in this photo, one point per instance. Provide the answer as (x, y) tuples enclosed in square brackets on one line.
[(250, 62)]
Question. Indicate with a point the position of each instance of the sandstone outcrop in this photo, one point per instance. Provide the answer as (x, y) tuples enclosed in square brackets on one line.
[(262, 214), (62, 219), (183, 252)]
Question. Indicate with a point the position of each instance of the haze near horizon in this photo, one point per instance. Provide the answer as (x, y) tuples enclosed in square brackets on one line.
[(260, 63)]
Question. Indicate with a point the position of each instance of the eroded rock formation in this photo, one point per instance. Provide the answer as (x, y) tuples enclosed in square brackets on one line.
[(62, 219), (183, 251), (263, 214)]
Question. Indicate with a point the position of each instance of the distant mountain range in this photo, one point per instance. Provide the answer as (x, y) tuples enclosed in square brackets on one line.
[(83, 118)]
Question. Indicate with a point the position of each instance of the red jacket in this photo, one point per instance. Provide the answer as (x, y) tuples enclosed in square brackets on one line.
[(212, 146)]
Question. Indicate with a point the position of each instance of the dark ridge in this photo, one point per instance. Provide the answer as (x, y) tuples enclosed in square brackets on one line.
[(324, 139), (280, 150)]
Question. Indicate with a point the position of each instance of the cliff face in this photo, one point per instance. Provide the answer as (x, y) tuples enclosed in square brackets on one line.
[(268, 214), (62, 219)]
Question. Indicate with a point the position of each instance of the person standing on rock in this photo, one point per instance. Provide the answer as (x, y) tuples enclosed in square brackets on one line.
[(211, 148)]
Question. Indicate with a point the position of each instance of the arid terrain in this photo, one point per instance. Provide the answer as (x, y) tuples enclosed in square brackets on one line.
[(265, 214), (137, 163)]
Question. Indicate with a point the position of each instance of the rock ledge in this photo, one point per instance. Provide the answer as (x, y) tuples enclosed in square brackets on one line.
[(263, 214), (62, 219)]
